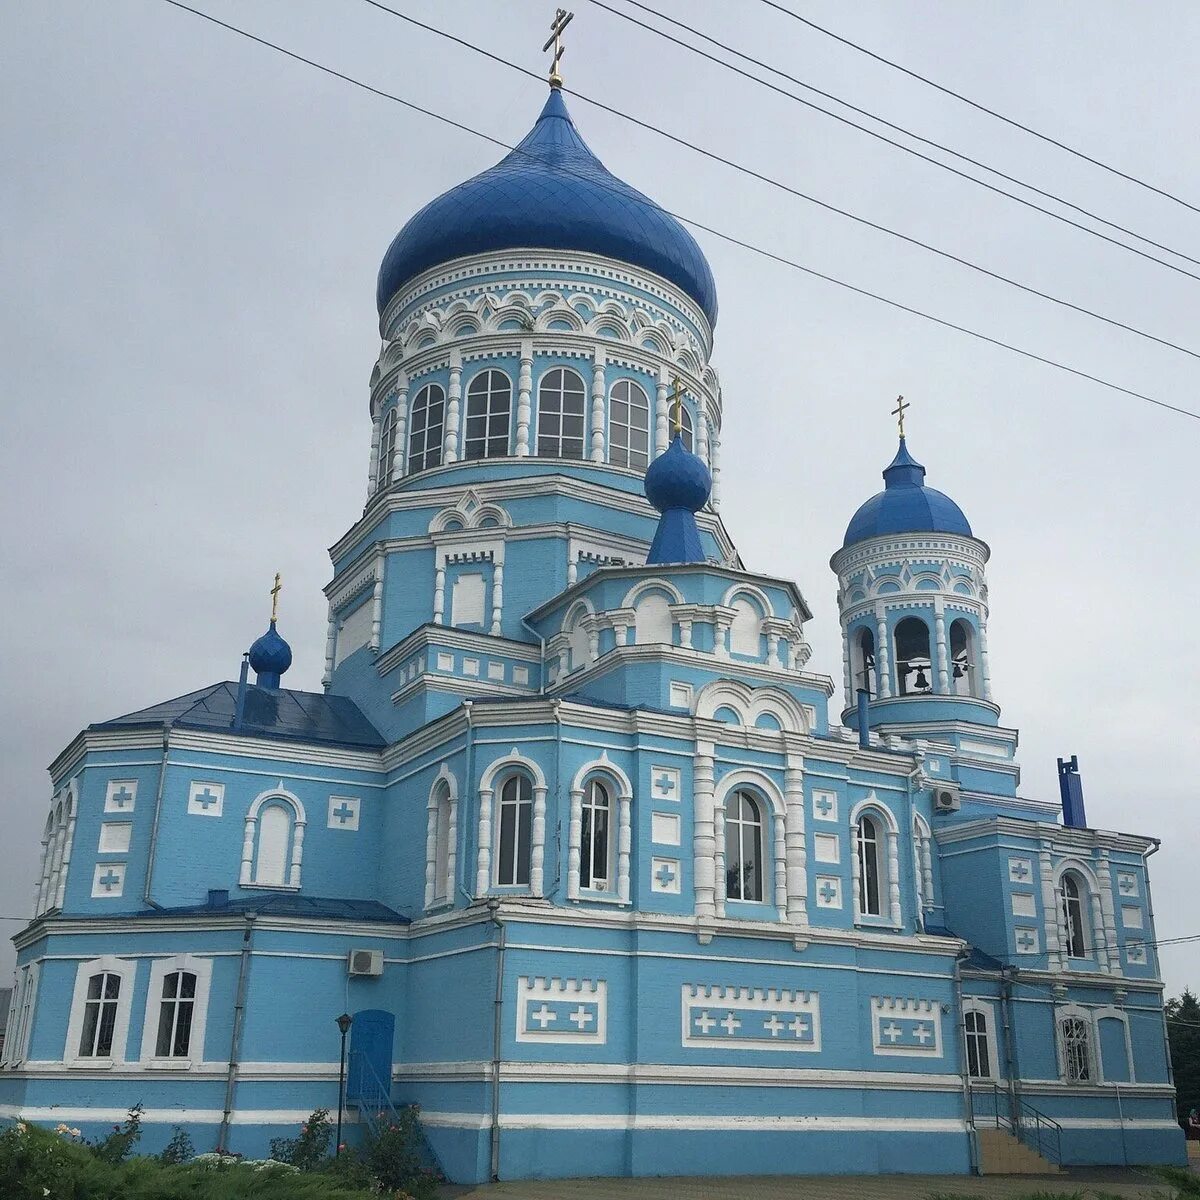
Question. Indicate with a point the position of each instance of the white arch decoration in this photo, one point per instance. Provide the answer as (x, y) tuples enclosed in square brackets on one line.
[(1112, 1012), (575, 623), (750, 703), (873, 805), (601, 766), (759, 781), (299, 823), (651, 585), (445, 780), (754, 593), (514, 760), (1099, 939)]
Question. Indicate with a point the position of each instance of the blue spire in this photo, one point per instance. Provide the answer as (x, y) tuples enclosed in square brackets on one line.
[(903, 470), (678, 485), (270, 656)]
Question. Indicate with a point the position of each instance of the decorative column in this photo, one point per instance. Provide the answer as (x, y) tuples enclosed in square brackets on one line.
[(593, 637), (537, 849), (624, 844), (68, 843), (452, 850), (685, 632), (1098, 934), (714, 466), (330, 649), (926, 874), (779, 857), (1110, 916), (795, 852), (574, 843), (497, 596), (431, 848), (400, 455), (855, 880), (939, 624), (377, 604), (483, 867), (524, 388), (662, 437), (39, 890), (847, 673), (247, 852), (985, 677), (453, 406), (701, 431), (893, 854), (703, 839), (721, 629), (439, 594), (373, 469), (882, 657), (1050, 909), (598, 406), (720, 866), (297, 854), (572, 567)]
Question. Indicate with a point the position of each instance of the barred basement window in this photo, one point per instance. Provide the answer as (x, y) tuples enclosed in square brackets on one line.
[(100, 1015), (175, 1015), (1076, 1037)]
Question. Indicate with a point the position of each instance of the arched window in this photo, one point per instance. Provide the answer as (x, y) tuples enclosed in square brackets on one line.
[(100, 1015), (515, 820), (652, 622), (745, 632), (914, 671), (441, 843), (489, 404), (1075, 1038), (273, 843), (425, 428), (595, 850), (1074, 915), (743, 847), (629, 426), (685, 428), (962, 658), (387, 449), (175, 1015), (978, 1051), (870, 864), (864, 662), (561, 402)]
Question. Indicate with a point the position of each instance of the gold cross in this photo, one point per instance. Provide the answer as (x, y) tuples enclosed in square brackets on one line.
[(275, 597), (676, 404), (562, 19), (899, 411)]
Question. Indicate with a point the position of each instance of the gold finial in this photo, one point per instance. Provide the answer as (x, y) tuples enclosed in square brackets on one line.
[(676, 405), (562, 19), (275, 597), (899, 411)]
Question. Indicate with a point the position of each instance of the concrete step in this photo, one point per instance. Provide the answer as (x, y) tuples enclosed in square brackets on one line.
[(1001, 1153)]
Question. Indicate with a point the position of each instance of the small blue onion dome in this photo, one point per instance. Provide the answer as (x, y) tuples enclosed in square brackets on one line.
[(906, 505), (270, 656), (551, 193), (678, 479)]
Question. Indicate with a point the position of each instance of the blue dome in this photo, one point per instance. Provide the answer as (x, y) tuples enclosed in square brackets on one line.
[(270, 656), (906, 505), (678, 479), (550, 192)]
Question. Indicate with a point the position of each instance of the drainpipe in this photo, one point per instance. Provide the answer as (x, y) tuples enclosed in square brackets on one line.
[(968, 1100), (542, 642), (497, 1032), (158, 799), (1162, 1010), (1007, 976), (235, 1045), (864, 733), (468, 790)]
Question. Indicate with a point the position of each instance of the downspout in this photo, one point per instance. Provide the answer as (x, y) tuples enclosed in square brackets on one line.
[(158, 799), (1162, 1009), (555, 706), (468, 790), (497, 1032), (235, 1045), (1007, 975), (542, 642), (968, 1100)]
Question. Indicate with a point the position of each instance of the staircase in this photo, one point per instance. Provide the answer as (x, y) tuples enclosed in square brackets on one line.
[(372, 1098), (1001, 1153)]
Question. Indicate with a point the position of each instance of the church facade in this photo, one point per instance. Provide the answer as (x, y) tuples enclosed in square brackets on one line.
[(571, 831)]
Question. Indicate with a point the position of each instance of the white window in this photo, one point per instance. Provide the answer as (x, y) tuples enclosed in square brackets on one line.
[(100, 1015), (489, 403), (515, 821), (685, 428), (596, 837), (99, 1022), (743, 847), (1075, 1043), (629, 426), (56, 855), (20, 1016), (387, 449), (870, 864), (979, 1053), (561, 401), (176, 1011), (441, 851), (1074, 915), (425, 428), (273, 843)]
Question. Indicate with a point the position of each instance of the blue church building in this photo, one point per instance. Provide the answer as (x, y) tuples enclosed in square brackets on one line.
[(611, 883)]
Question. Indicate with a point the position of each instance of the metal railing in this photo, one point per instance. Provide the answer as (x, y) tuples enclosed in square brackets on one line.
[(1028, 1124), (367, 1093)]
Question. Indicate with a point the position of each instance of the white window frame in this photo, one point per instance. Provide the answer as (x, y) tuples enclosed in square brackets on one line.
[(588, 840), (887, 864), (518, 777), (739, 796), (430, 447), (988, 1014), (160, 968), (559, 394), (20, 1016), (485, 400), (636, 400), (873, 848), (1083, 900), (687, 430), (441, 841), (1074, 1012), (295, 850), (126, 970), (620, 796), (387, 449)]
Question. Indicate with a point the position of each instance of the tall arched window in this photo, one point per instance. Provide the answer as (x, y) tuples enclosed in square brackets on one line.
[(685, 428), (1074, 915), (629, 426), (441, 844), (978, 1056), (743, 847), (962, 658), (1075, 1038), (561, 402), (273, 842), (425, 428), (595, 837), (175, 1015), (870, 863), (864, 662), (489, 405), (387, 449), (914, 669), (515, 821), (100, 1015)]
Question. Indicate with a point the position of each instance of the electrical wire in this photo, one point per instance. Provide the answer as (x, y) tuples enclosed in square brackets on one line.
[(899, 128), (983, 108), (726, 237), (784, 187)]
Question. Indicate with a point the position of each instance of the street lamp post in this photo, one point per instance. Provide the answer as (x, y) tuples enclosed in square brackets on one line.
[(343, 1023)]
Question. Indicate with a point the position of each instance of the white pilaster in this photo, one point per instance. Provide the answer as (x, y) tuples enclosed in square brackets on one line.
[(939, 624), (524, 389), (701, 432), (537, 849), (662, 437), (247, 852), (297, 854), (598, 406), (400, 455), (483, 866), (882, 656), (795, 851), (497, 597), (373, 470), (574, 843), (985, 676), (703, 840), (453, 408), (624, 845), (439, 594), (330, 648), (431, 849), (720, 861), (715, 468), (1110, 916), (377, 605), (779, 859), (893, 853), (1050, 909)]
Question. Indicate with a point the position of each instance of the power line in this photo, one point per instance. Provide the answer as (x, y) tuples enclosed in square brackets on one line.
[(899, 128), (726, 237), (983, 108), (784, 187)]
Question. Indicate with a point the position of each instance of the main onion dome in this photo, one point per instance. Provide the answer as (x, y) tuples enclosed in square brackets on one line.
[(552, 193), (906, 505)]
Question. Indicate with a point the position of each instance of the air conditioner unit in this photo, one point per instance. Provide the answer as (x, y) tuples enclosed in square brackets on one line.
[(946, 801), (365, 962)]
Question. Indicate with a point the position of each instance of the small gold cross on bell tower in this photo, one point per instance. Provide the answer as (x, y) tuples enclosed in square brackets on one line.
[(562, 19), (275, 597), (899, 411)]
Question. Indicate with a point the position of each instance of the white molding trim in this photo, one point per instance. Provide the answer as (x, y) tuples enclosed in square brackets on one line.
[(126, 970), (199, 966)]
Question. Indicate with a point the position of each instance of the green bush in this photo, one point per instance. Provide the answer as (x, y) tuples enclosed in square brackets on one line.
[(311, 1148), (393, 1157)]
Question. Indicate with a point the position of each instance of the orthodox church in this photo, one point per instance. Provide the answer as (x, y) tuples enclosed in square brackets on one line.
[(571, 833)]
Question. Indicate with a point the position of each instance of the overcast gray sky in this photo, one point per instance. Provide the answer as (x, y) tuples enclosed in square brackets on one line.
[(190, 227)]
